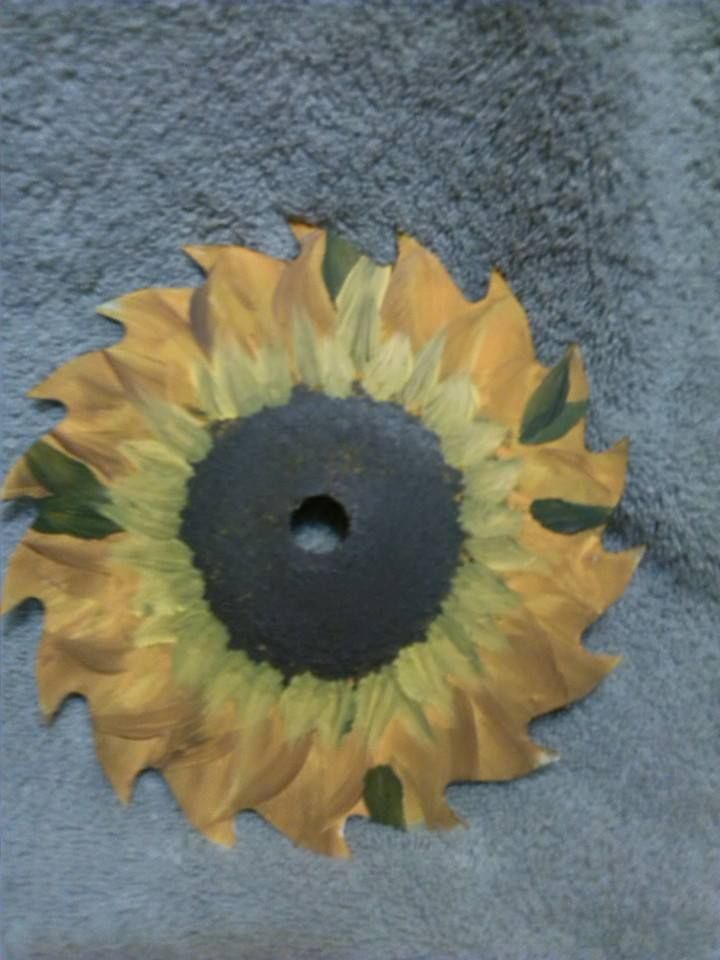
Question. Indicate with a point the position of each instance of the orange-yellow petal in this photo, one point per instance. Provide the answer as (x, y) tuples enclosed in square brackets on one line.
[(206, 255), (123, 759), (300, 229), (233, 768), (491, 740), (55, 566), (423, 766), (552, 470), (313, 808), (492, 341), (159, 349), (101, 414), (586, 573), (543, 666), (301, 293), (421, 297), (20, 482), (236, 301)]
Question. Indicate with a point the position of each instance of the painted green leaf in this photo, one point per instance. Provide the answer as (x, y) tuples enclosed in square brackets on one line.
[(563, 516), (570, 415), (59, 473), (340, 258), (383, 795), (68, 515), (76, 495), (548, 404)]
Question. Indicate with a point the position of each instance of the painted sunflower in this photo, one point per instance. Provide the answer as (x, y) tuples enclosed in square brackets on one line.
[(317, 539)]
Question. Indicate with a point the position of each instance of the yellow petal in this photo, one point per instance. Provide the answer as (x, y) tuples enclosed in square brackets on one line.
[(358, 305), (423, 383), (322, 361), (314, 806), (424, 769), (205, 255), (21, 482), (88, 616), (234, 768), (301, 230), (491, 741), (153, 313), (421, 296), (59, 676), (301, 293), (577, 475), (377, 700), (424, 802), (168, 421), (579, 387), (235, 304), (492, 341), (390, 369), (159, 349), (100, 413), (583, 571), (124, 759), (452, 406), (86, 383), (309, 703), (543, 667), (45, 566)]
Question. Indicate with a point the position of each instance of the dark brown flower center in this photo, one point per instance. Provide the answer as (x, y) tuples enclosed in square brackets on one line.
[(326, 531)]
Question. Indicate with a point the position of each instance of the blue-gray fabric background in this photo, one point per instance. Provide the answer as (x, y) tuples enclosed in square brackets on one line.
[(575, 145)]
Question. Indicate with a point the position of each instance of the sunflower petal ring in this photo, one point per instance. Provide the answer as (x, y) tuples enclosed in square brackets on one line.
[(318, 538)]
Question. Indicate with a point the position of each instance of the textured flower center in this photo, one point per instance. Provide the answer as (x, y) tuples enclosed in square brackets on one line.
[(326, 531)]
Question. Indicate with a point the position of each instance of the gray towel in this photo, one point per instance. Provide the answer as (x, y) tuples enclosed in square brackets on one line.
[(575, 146)]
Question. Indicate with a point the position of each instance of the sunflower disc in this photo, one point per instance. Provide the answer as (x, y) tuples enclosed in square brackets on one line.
[(317, 539)]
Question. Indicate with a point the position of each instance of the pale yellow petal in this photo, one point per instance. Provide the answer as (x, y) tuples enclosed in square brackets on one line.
[(423, 382), (358, 305), (322, 362), (390, 369)]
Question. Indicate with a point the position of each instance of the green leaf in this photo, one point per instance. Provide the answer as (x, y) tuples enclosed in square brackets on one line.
[(383, 795), (59, 473), (340, 258), (563, 516), (76, 495), (571, 414), (547, 403), (66, 514)]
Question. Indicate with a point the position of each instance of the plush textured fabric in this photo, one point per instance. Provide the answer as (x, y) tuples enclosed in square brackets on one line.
[(575, 146)]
